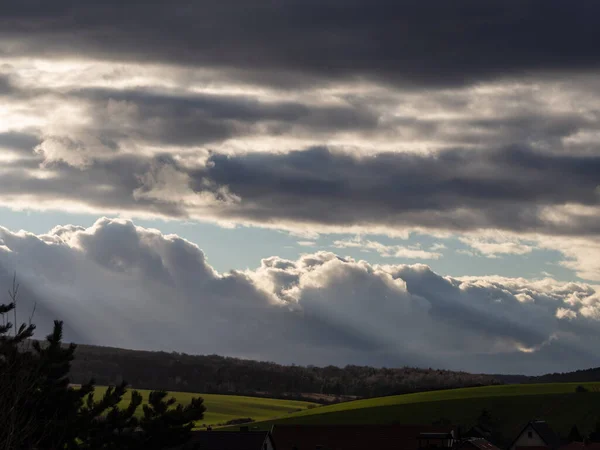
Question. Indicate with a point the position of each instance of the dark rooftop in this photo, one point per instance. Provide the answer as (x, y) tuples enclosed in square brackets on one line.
[(546, 433), (228, 440), (352, 437), (433, 435)]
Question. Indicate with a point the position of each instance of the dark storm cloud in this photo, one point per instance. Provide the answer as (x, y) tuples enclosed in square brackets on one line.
[(454, 190), (108, 184), (224, 107), (17, 142), (418, 42), (6, 86), (497, 189), (194, 119)]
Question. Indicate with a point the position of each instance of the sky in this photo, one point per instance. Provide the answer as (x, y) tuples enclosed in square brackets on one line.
[(310, 182)]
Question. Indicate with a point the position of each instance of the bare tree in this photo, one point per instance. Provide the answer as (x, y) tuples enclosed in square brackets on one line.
[(40, 410)]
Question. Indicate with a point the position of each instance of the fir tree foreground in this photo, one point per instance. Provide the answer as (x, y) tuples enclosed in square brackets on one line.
[(39, 410)]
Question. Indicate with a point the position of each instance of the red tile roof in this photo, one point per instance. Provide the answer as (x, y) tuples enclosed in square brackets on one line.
[(581, 446), (532, 448), (478, 444)]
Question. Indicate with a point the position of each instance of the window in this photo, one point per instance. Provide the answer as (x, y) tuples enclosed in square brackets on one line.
[(530, 434)]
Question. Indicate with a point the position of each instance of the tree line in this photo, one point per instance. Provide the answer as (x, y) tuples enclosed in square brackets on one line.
[(218, 374)]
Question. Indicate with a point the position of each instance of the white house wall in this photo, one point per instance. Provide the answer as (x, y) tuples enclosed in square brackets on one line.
[(525, 441), (269, 443)]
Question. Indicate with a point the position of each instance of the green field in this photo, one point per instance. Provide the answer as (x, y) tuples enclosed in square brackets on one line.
[(221, 408), (511, 406)]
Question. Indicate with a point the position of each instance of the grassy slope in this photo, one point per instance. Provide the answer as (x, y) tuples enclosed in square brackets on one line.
[(221, 408), (511, 406)]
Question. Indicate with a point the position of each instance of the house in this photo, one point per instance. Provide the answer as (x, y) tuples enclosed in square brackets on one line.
[(536, 435), (475, 443), (362, 437), (230, 440)]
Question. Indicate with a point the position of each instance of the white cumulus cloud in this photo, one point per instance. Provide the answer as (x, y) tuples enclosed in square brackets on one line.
[(119, 284)]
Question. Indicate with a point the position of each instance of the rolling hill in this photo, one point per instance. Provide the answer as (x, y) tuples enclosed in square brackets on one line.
[(510, 406), (225, 375), (222, 408)]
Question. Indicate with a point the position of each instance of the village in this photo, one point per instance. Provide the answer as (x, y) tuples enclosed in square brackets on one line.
[(535, 435)]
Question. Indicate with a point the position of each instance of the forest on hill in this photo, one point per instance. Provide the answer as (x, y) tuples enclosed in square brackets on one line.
[(225, 375)]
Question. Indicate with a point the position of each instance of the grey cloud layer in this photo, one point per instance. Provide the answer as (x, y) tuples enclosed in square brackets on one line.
[(196, 119), (21, 143), (459, 190), (505, 189), (117, 284), (463, 117), (529, 113), (429, 42), (495, 156)]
